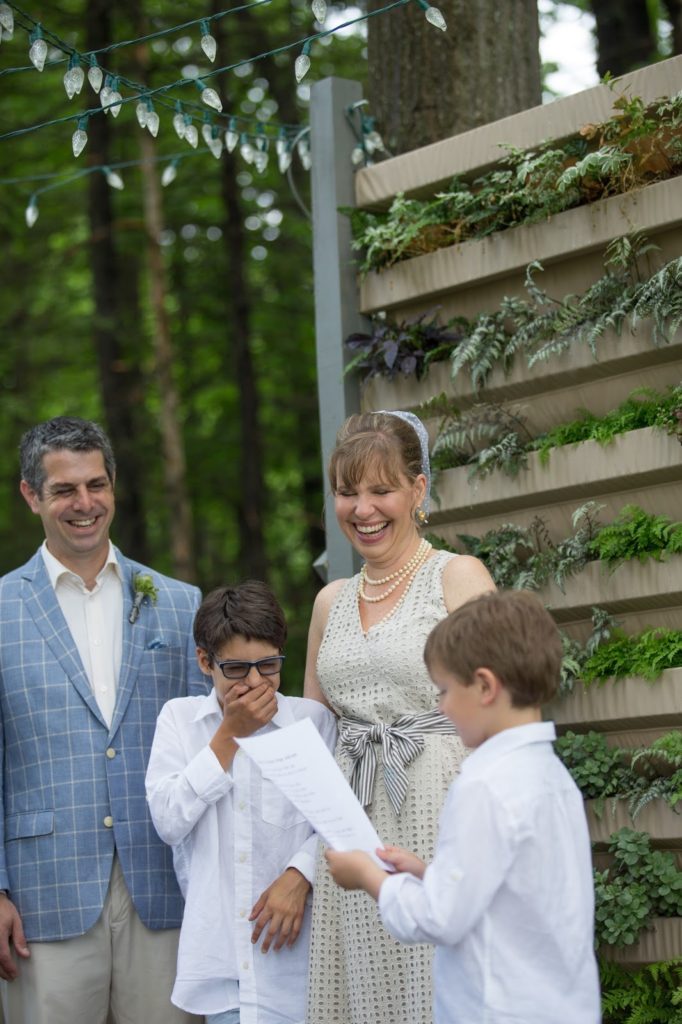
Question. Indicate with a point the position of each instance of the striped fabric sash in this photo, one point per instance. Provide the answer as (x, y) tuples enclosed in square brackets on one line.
[(401, 742)]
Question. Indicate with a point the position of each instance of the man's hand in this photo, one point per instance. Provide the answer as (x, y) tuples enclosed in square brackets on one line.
[(356, 870), (11, 934), (402, 860), (280, 908)]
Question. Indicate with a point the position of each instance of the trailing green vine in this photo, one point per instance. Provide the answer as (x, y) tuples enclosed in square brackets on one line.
[(602, 772), (642, 884), (635, 147)]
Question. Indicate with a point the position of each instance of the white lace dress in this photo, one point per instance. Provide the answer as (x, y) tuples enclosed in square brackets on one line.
[(358, 973)]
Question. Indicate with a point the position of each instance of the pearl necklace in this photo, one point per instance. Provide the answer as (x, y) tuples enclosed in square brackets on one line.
[(406, 572)]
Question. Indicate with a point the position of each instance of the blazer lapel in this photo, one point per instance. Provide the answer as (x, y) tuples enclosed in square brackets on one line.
[(131, 649), (42, 605)]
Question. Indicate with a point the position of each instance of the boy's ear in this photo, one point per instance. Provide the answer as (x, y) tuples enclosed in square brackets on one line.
[(489, 685), (205, 661)]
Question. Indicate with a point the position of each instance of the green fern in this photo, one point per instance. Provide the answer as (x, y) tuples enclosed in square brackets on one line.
[(649, 995)]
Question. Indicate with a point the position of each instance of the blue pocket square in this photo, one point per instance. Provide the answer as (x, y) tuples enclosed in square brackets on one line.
[(157, 644)]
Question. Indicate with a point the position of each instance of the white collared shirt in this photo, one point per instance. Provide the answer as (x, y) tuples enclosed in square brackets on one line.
[(508, 899), (232, 834), (95, 621)]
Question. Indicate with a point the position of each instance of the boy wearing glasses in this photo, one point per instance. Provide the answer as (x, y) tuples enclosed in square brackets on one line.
[(243, 855)]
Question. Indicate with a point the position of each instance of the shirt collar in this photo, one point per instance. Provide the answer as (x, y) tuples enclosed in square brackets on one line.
[(209, 706), (56, 570), (507, 741)]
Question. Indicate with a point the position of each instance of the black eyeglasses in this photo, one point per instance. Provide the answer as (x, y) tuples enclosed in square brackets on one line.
[(240, 669)]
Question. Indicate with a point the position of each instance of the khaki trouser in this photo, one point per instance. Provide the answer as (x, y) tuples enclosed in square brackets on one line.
[(119, 972)]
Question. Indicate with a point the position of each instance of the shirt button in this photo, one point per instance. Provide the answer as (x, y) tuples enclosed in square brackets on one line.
[(110, 752), (242, 913), (97, 643), (245, 966), (242, 805), (108, 822), (103, 689), (242, 858)]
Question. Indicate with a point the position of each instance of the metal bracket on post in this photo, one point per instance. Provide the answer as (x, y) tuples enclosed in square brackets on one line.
[(336, 292)]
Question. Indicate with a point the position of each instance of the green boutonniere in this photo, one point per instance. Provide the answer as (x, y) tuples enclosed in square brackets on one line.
[(143, 587)]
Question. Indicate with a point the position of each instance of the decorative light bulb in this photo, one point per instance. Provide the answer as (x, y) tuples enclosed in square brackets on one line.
[(153, 121), (170, 173), (74, 77), (301, 66), (303, 150), (179, 125), (260, 160), (115, 99), (105, 94), (435, 18), (281, 145), (38, 54), (31, 212), (191, 135), (141, 113), (231, 135), (6, 20), (79, 138), (215, 144), (357, 156), (319, 8), (95, 75), (284, 161), (113, 178), (374, 142), (246, 150), (208, 43), (206, 132), (209, 96)]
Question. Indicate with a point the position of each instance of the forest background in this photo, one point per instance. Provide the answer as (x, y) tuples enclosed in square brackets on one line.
[(182, 318)]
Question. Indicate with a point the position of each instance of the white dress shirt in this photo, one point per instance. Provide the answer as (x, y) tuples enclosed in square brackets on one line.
[(508, 899), (232, 834), (95, 621)]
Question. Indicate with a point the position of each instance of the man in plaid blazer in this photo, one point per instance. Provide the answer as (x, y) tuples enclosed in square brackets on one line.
[(91, 647)]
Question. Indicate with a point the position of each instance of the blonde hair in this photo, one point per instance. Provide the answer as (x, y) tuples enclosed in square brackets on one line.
[(509, 632), (375, 441)]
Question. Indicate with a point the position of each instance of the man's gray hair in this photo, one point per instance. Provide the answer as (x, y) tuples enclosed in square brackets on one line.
[(62, 432)]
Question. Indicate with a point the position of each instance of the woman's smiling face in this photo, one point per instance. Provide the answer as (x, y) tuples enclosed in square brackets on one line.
[(377, 515)]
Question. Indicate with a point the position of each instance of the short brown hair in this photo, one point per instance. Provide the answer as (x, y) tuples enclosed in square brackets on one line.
[(509, 632), (375, 440), (249, 610)]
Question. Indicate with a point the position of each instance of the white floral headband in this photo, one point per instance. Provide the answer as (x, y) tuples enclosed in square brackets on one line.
[(421, 432)]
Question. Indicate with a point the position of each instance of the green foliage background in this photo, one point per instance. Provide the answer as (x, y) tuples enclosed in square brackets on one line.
[(48, 364)]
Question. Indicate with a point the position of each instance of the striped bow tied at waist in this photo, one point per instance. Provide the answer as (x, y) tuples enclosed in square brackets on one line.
[(401, 742)]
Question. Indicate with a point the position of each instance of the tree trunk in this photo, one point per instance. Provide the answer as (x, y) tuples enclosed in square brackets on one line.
[(425, 85), (625, 39), (174, 464), (120, 380), (251, 496)]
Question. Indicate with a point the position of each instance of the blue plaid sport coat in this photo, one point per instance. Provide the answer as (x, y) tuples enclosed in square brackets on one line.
[(72, 787)]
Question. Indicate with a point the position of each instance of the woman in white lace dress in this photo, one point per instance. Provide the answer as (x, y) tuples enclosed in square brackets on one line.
[(365, 662)]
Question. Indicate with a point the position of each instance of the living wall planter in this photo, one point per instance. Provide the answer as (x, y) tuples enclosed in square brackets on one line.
[(425, 171), (619, 704), (662, 942), (639, 458), (616, 355), (663, 824), (572, 233), (630, 587)]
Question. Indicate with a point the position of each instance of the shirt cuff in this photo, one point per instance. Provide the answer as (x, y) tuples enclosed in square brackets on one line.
[(207, 777), (393, 914), (304, 862)]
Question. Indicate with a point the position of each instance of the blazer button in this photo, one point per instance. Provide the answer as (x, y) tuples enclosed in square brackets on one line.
[(108, 822), (110, 752)]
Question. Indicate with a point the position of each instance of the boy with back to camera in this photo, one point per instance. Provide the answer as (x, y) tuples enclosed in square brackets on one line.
[(244, 856), (508, 899)]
